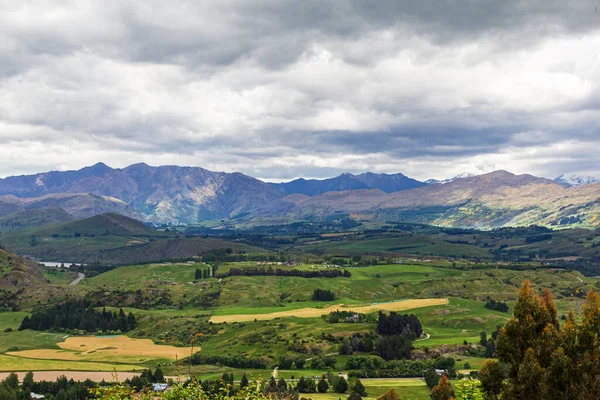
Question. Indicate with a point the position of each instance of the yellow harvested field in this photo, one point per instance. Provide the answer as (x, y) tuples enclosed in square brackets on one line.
[(401, 305), (105, 348), (123, 346)]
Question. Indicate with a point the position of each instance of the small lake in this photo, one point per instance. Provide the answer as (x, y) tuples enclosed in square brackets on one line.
[(57, 264)]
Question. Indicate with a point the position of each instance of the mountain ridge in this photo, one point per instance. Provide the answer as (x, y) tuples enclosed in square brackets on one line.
[(388, 183), (190, 195)]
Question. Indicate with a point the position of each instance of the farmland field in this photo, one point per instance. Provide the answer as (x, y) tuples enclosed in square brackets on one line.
[(102, 348), (273, 316)]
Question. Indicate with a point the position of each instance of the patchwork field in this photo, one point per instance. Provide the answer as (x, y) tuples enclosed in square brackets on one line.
[(11, 363), (401, 305)]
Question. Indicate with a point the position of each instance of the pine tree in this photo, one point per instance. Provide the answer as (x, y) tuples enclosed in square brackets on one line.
[(281, 385), (244, 381), (359, 388), (431, 378), (341, 385), (28, 382), (272, 386), (158, 375), (323, 386)]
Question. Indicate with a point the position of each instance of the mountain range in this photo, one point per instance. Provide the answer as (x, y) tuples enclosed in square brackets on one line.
[(346, 181), (189, 195), (578, 180)]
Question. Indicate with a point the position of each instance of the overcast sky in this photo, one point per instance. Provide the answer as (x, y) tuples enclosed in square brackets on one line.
[(283, 89)]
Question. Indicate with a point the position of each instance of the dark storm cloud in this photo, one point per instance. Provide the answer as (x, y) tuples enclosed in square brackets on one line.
[(281, 89)]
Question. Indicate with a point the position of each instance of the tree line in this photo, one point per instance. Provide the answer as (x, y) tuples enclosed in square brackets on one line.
[(234, 361), (376, 367), (78, 314), (61, 389), (202, 273), (270, 271)]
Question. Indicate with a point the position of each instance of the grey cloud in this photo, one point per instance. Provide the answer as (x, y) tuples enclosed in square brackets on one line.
[(282, 88)]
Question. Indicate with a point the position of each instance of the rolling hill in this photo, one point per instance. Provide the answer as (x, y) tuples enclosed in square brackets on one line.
[(104, 224), (110, 238), (34, 218), (169, 249), (17, 271)]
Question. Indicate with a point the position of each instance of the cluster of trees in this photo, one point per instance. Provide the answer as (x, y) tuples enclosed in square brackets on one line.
[(61, 389), (299, 362), (394, 347), (323, 295), (489, 344), (286, 362), (270, 271), (234, 361), (336, 317), (538, 358), (492, 304), (358, 343), (78, 314), (144, 380), (407, 325), (202, 273), (336, 383), (92, 269), (377, 367)]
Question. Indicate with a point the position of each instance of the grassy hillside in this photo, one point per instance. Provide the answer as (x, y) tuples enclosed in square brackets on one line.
[(34, 218), (16, 271), (104, 224)]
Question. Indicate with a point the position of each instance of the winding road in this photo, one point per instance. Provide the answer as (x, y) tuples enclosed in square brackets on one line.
[(80, 276)]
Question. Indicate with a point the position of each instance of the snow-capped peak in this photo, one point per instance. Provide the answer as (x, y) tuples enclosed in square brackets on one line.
[(578, 180), (459, 176)]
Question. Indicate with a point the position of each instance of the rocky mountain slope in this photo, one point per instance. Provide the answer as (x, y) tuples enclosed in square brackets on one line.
[(167, 194)]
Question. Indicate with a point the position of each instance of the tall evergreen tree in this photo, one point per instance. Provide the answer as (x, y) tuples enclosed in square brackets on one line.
[(244, 381), (158, 375), (322, 386)]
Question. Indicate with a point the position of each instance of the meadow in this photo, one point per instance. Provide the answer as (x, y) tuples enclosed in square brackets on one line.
[(273, 316)]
